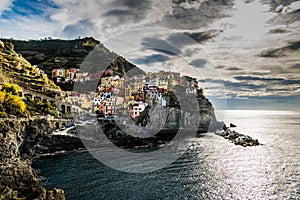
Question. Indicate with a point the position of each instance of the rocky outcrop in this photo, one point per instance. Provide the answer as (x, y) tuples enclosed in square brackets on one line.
[(237, 138), (173, 118), (20, 142), (158, 126)]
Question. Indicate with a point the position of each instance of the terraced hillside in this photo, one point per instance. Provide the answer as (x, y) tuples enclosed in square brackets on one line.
[(17, 75)]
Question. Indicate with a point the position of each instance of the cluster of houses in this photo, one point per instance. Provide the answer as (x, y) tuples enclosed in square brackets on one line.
[(62, 75), (120, 96), (117, 96)]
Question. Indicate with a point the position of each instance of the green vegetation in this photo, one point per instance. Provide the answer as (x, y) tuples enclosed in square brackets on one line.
[(39, 106), (11, 103), (10, 88), (200, 93), (50, 53), (17, 69)]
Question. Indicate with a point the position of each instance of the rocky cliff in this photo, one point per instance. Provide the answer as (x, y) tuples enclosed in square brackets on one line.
[(158, 125), (22, 135), (20, 142), (171, 118)]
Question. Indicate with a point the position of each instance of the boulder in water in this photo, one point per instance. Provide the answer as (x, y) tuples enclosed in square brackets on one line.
[(232, 125)]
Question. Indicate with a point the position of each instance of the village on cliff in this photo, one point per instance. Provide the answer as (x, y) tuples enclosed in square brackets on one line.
[(118, 96)]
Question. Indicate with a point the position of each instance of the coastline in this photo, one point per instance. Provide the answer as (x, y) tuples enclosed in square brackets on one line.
[(22, 142), (35, 140)]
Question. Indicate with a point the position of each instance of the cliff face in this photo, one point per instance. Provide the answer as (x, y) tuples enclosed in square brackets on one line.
[(21, 138), (20, 141), (172, 118)]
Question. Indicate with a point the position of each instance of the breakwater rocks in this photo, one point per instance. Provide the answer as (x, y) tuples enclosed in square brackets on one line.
[(21, 141), (237, 138)]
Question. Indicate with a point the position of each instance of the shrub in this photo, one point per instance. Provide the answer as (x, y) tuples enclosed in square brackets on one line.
[(3, 114), (10, 88), (15, 102), (10, 102)]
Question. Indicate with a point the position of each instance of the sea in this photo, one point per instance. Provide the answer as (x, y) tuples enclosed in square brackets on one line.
[(211, 168)]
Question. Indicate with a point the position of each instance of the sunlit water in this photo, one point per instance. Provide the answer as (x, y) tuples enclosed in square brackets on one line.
[(212, 168)]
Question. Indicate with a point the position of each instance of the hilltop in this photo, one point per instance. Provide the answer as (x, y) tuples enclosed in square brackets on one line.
[(53, 53)]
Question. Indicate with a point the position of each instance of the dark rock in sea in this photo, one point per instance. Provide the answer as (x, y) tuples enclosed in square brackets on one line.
[(237, 138), (232, 125)]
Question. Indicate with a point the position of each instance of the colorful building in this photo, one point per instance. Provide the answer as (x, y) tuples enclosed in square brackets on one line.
[(137, 108)]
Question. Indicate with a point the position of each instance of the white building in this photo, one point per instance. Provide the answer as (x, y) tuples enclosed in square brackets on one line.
[(138, 107)]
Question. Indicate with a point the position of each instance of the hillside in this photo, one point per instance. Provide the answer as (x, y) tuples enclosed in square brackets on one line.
[(53, 54), (49, 54), (15, 67), (18, 75), (20, 135)]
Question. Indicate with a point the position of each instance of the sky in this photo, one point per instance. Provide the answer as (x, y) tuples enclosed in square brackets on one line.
[(245, 53)]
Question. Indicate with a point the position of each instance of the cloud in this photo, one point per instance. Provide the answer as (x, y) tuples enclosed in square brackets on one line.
[(295, 66), (261, 72), (234, 85), (273, 82), (254, 87), (283, 51), (128, 11), (275, 4), (161, 46), (257, 78), (151, 59), (118, 13), (80, 28), (278, 31), (5, 5), (190, 15), (203, 36), (111, 17), (288, 12), (180, 40), (233, 69), (220, 66), (198, 63), (260, 103)]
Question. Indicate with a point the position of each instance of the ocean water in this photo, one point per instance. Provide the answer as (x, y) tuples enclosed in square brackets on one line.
[(212, 168)]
